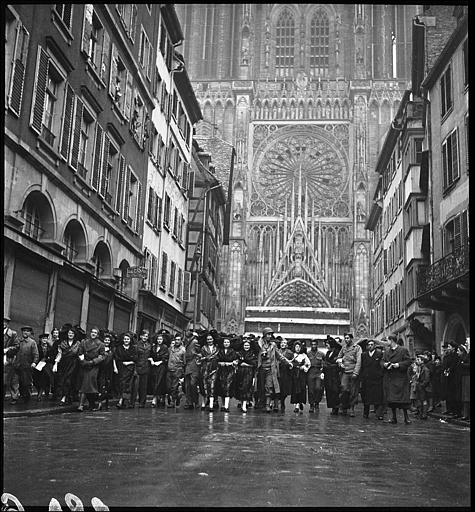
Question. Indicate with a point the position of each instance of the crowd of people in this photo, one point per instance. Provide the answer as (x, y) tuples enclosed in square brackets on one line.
[(206, 369)]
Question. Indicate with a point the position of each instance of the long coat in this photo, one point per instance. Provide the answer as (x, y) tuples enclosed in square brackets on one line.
[(450, 377), (127, 373), (274, 357), (285, 374), (94, 354), (159, 372), (332, 379), (226, 373), (396, 380), (67, 367), (372, 378), (245, 374)]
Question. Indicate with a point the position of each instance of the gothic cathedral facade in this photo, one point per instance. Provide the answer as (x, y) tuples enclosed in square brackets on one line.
[(305, 93)]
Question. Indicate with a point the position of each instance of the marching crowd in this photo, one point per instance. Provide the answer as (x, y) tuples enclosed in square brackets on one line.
[(205, 368)]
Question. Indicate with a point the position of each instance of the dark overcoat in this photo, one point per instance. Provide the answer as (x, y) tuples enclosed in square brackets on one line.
[(332, 377), (396, 381), (159, 373), (94, 354), (245, 374), (372, 377)]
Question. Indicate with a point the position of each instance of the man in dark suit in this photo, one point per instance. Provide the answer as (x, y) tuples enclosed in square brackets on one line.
[(372, 380)]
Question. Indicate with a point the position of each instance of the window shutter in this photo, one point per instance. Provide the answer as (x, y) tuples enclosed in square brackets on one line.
[(128, 95), (96, 168), (67, 121), (138, 218), (40, 90), (150, 61), (113, 73), (186, 286), (76, 139), (464, 227), (455, 155), (159, 212), (105, 159), (106, 42), (457, 233), (18, 73), (125, 212), (120, 185), (67, 10), (150, 204), (87, 28), (133, 22)]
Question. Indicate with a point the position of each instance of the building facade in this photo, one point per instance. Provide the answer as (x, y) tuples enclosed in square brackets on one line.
[(420, 272), (78, 100), (205, 237), (161, 300), (444, 284), (304, 92)]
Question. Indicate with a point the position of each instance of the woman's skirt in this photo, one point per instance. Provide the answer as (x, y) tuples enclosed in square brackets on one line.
[(159, 380), (299, 390), (244, 383), (226, 377)]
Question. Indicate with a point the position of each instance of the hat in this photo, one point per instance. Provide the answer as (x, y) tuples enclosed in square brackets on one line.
[(6, 317), (453, 344), (267, 330), (27, 328), (44, 335)]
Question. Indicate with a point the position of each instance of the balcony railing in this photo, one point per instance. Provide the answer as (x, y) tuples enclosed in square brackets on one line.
[(443, 271)]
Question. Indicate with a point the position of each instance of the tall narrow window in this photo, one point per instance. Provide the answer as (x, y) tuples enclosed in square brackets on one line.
[(446, 91), (284, 44), (319, 43)]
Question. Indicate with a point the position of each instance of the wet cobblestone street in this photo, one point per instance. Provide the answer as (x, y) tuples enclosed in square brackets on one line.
[(155, 457)]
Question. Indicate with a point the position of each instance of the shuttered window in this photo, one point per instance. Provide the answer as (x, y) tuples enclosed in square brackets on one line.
[(139, 215), (17, 79), (125, 211), (186, 286), (39, 94), (163, 276), (179, 284), (96, 166), (64, 11), (67, 121), (105, 174), (76, 138), (171, 288), (119, 200), (450, 159)]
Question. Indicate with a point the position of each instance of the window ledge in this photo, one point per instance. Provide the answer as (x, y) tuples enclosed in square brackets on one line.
[(450, 187), (110, 211), (90, 69), (45, 148), (63, 29), (447, 114)]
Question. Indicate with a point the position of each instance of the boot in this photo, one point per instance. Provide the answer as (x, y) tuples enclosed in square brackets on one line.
[(244, 406), (211, 404), (268, 409), (282, 404), (226, 404), (394, 418), (407, 421), (82, 399), (120, 403)]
